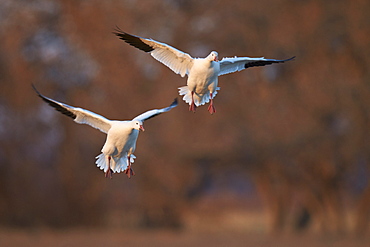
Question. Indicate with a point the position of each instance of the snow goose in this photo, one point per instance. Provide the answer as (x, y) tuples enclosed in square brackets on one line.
[(202, 72), (117, 152)]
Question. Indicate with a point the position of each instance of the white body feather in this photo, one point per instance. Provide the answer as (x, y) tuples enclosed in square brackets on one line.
[(121, 138), (120, 145), (202, 80), (202, 72)]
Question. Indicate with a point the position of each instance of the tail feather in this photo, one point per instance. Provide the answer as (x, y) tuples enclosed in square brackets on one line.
[(117, 165), (100, 162), (198, 99)]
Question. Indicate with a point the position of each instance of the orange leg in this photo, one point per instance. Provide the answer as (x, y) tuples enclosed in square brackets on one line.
[(192, 105), (109, 172), (211, 107), (129, 172)]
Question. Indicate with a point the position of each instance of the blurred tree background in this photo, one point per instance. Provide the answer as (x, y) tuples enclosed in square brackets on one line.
[(287, 150)]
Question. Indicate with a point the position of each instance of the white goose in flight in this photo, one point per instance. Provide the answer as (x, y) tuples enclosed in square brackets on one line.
[(117, 152), (202, 73)]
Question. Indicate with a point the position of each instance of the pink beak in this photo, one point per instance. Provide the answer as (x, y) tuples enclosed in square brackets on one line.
[(142, 128), (216, 59)]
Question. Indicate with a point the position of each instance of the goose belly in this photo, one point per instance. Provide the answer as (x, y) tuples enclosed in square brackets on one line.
[(120, 142), (203, 81)]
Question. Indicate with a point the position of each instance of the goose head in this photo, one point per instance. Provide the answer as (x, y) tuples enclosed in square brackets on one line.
[(213, 56), (138, 125)]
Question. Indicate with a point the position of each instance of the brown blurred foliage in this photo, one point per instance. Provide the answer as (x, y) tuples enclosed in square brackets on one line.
[(294, 136)]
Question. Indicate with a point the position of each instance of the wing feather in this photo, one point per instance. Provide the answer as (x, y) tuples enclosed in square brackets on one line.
[(152, 113), (233, 64), (79, 115), (178, 61)]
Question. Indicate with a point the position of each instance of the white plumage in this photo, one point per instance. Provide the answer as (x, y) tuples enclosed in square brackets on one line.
[(117, 152), (202, 83)]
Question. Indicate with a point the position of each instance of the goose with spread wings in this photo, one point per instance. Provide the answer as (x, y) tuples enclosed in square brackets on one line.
[(118, 151), (203, 73)]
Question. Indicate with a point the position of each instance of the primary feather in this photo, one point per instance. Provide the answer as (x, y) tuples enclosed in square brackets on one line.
[(117, 152), (79, 115), (203, 73)]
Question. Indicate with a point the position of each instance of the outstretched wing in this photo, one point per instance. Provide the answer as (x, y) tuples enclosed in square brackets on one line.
[(152, 113), (79, 115), (178, 61), (233, 64)]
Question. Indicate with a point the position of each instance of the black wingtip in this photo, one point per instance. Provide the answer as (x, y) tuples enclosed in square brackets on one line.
[(292, 58), (39, 94), (285, 60), (34, 88), (133, 40), (266, 62), (56, 106), (174, 103), (117, 31)]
